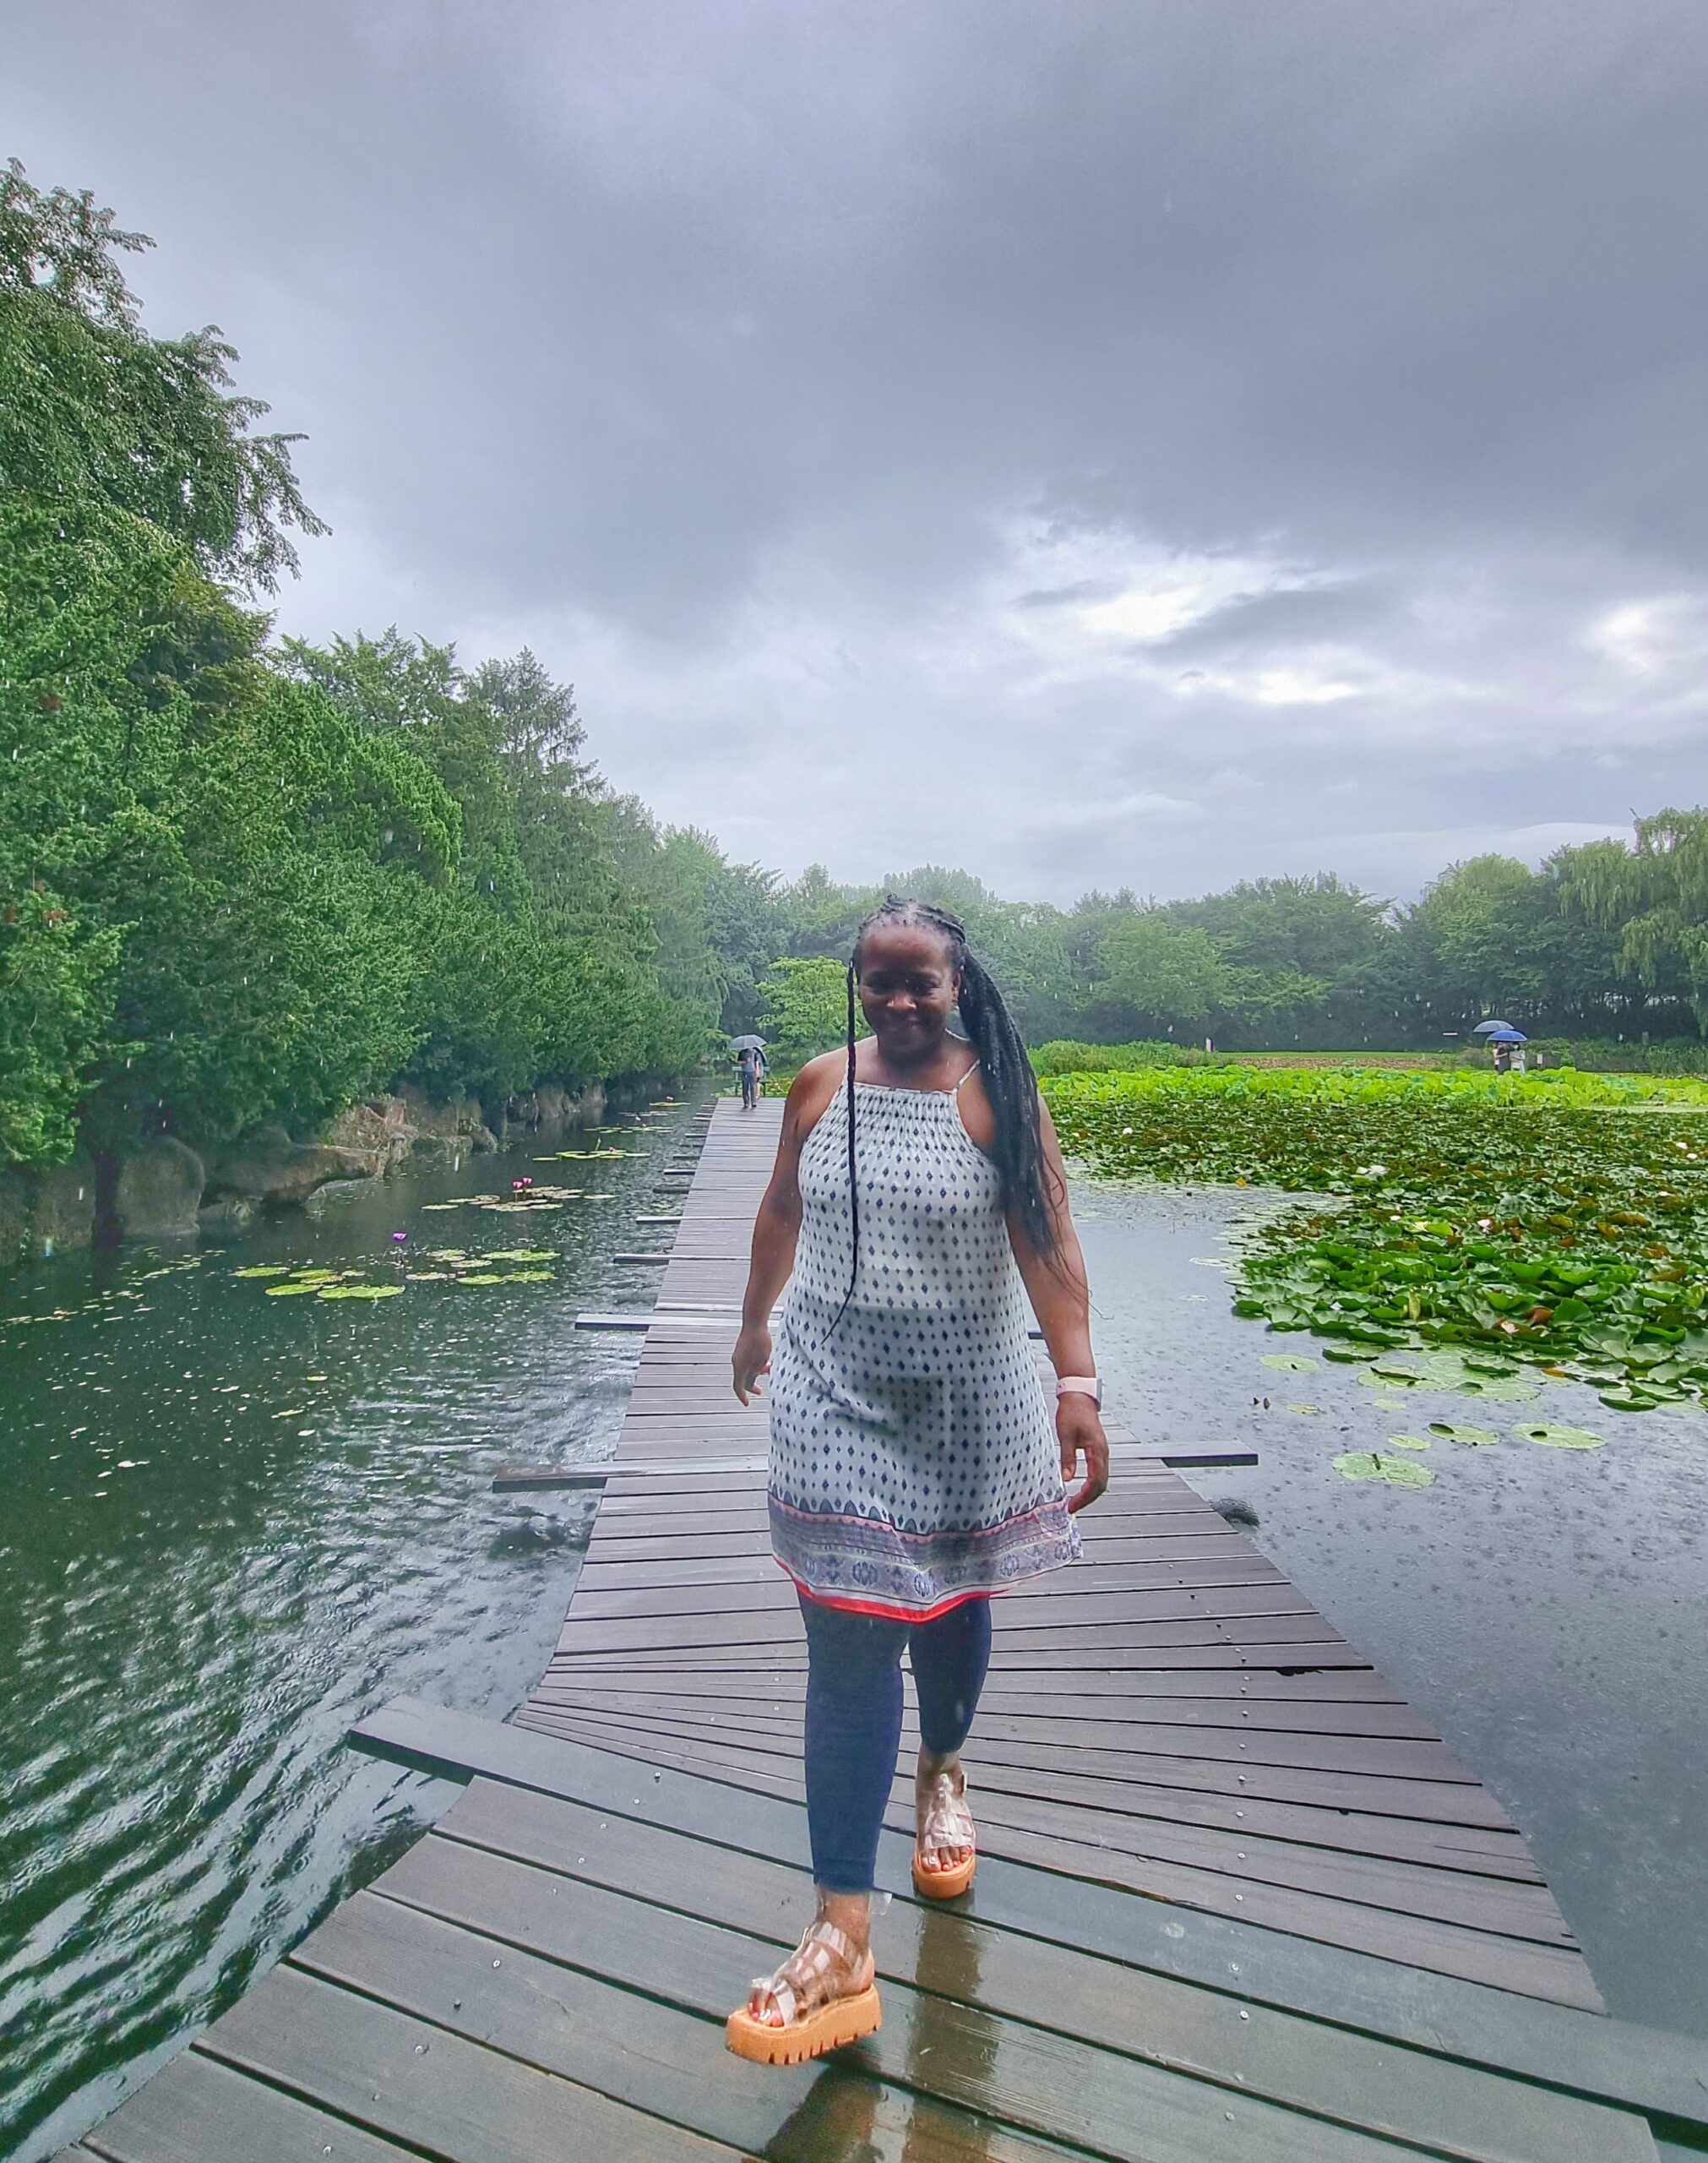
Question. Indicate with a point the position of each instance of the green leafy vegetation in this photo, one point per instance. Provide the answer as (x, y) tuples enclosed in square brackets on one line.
[(241, 884), (1395, 1471), (1469, 1228), (1555, 1437), (456, 1266)]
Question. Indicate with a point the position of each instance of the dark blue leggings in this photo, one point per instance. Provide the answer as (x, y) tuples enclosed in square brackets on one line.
[(854, 1720)]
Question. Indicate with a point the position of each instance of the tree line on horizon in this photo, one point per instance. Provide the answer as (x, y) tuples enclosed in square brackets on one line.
[(1607, 942), (245, 879)]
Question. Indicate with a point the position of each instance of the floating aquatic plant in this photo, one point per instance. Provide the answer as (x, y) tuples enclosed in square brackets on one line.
[(1555, 1437), (1371, 1464), (1542, 1222), (1476, 1438)]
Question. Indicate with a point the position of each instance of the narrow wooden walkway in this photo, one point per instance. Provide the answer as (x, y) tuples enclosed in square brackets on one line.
[(1237, 1903), (1171, 1716)]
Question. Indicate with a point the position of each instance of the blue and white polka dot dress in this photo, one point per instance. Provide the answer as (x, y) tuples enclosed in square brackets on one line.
[(913, 1461)]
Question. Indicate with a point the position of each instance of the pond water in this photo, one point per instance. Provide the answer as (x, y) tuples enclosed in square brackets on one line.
[(233, 1524), (1546, 1608)]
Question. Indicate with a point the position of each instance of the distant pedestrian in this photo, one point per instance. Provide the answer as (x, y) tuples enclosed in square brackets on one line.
[(750, 1063), (916, 1469)]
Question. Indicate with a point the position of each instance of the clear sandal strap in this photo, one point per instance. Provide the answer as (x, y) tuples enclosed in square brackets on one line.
[(819, 1941), (948, 1820), (827, 1933)]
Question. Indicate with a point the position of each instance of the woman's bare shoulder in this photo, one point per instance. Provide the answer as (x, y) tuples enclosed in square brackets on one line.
[(811, 1091)]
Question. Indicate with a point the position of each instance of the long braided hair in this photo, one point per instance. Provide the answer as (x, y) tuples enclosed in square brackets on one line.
[(1008, 1081)]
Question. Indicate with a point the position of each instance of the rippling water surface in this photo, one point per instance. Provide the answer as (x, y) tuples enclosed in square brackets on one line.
[(233, 1524)]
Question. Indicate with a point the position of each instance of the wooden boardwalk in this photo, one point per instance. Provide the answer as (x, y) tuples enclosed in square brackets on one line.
[(1238, 1901)]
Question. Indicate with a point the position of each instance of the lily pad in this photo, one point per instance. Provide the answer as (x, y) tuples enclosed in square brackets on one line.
[(1476, 1438), (360, 1291), (265, 1269), (1289, 1362), (1409, 1442), (291, 1291), (520, 1254), (482, 1277), (1396, 1471), (1553, 1437)]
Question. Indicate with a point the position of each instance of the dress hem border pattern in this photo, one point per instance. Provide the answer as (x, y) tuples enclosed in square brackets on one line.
[(812, 1548)]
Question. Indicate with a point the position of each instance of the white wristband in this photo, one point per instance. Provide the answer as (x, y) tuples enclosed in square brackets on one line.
[(1080, 1385)]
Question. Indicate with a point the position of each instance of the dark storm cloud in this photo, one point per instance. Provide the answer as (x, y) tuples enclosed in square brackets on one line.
[(1059, 438)]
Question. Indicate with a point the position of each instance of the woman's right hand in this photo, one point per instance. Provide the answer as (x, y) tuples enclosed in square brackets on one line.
[(751, 1358)]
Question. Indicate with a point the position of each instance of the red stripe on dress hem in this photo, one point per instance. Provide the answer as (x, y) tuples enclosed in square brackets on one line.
[(877, 1609)]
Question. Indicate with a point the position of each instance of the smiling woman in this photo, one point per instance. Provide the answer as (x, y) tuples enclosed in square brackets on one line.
[(913, 1471)]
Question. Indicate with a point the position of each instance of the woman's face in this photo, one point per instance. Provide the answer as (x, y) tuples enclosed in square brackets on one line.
[(908, 988)]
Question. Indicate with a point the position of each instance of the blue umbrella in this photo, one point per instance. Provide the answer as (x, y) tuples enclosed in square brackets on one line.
[(1508, 1036)]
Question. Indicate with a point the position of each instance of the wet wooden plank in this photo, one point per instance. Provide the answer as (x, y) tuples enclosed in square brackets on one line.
[(474, 1975), (195, 2108), (1426, 2008), (1039, 2080), (1360, 1875), (1414, 1819), (1286, 2057), (403, 2079), (1505, 1964)]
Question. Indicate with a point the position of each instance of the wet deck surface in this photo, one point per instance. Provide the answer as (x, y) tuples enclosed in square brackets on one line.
[(1236, 1899)]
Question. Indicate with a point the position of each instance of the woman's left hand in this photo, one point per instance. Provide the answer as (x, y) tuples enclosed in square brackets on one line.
[(1080, 1431)]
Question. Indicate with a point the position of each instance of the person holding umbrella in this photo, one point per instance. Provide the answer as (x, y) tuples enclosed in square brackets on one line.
[(750, 1065), (1503, 1041)]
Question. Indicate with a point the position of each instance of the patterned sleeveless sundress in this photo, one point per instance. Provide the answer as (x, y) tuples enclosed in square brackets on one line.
[(913, 1461)]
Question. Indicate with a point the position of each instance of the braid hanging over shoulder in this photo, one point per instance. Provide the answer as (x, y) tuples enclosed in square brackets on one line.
[(1010, 1083)]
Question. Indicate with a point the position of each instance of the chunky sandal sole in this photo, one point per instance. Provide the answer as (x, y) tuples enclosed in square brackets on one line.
[(944, 1884), (827, 2028)]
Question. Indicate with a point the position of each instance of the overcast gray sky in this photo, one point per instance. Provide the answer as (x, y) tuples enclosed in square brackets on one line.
[(1146, 442)]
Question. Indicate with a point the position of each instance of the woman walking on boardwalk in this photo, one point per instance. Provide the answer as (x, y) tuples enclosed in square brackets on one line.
[(917, 1204)]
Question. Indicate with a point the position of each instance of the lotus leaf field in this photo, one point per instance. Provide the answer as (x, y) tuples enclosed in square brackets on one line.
[(1454, 1221)]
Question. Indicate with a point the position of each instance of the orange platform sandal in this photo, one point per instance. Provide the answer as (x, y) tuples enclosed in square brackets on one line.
[(947, 1824), (811, 2024)]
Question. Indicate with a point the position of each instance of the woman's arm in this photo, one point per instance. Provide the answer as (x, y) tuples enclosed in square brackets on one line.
[(1061, 1299), (778, 1223)]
